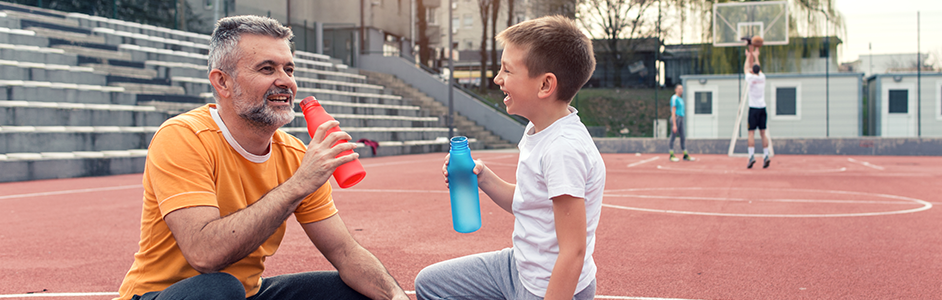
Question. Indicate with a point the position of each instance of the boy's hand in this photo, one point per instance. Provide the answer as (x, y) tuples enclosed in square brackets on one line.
[(478, 168)]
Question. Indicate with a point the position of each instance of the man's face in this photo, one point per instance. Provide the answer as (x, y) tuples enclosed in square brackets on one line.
[(265, 87), (515, 81), (679, 90)]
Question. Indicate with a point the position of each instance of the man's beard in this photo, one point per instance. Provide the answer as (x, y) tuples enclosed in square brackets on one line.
[(264, 115)]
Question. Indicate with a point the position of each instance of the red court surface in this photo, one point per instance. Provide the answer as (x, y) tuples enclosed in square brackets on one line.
[(809, 227)]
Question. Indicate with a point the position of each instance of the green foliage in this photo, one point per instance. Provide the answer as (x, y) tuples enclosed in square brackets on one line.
[(623, 112)]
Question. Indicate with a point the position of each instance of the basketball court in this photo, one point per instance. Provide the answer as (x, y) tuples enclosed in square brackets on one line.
[(808, 227)]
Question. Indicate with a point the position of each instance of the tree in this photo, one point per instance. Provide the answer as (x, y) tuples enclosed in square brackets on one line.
[(495, 64), (423, 39), (621, 25), (484, 7)]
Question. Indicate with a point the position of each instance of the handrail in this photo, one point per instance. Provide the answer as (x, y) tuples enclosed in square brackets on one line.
[(471, 93), (496, 106)]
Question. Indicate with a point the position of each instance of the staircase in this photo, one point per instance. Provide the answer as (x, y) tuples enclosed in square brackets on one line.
[(463, 125)]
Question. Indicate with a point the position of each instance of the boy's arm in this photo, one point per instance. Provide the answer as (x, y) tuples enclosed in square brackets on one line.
[(500, 191), (570, 219)]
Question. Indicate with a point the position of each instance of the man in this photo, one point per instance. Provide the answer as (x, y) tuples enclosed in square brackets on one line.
[(221, 180), (755, 81), (677, 123)]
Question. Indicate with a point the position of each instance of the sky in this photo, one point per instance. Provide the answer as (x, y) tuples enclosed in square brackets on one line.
[(890, 26)]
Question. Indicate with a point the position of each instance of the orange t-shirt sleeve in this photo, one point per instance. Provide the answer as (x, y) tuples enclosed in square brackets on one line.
[(317, 206), (182, 172)]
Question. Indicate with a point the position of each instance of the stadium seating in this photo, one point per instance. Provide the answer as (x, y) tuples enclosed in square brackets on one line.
[(83, 95)]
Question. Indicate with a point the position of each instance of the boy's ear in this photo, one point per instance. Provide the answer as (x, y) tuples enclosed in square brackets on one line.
[(548, 85), (221, 82)]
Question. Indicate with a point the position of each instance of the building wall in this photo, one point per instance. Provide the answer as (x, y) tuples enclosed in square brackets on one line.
[(810, 120), (925, 114)]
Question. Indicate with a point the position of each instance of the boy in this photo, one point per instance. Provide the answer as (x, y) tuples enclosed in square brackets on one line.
[(557, 199), (755, 80), (677, 123)]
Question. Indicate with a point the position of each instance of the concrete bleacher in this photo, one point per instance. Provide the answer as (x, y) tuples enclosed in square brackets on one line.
[(83, 95)]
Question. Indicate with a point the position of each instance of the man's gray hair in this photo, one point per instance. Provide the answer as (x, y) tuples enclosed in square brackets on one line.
[(223, 50)]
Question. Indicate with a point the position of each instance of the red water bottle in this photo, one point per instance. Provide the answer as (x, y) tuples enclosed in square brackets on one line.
[(348, 174)]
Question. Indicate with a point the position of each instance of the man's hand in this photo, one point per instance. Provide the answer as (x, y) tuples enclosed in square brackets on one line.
[(321, 158)]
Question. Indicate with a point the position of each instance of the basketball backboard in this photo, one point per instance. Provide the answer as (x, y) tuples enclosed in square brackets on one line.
[(736, 20)]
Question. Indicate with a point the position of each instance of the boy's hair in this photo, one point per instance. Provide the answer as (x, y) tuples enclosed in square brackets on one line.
[(554, 45), (756, 69)]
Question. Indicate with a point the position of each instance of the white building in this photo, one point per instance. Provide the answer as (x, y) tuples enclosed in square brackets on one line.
[(798, 105), (905, 105)]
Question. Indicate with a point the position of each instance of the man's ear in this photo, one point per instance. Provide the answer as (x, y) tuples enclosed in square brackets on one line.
[(548, 85), (222, 82)]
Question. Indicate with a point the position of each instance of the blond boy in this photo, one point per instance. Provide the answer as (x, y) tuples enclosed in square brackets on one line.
[(556, 201)]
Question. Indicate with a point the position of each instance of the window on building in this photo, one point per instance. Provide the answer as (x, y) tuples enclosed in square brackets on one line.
[(430, 15), (786, 101), (823, 52), (899, 102), (703, 103), (455, 24), (468, 20)]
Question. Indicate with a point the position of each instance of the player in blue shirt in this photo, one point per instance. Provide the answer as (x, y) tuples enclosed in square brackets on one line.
[(677, 122)]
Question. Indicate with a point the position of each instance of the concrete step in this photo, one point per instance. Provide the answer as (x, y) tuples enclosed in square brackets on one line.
[(14, 139), (92, 52), (122, 71), (54, 165), (37, 113)]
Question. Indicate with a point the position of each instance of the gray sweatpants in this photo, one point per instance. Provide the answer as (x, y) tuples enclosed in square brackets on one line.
[(680, 132), (484, 276)]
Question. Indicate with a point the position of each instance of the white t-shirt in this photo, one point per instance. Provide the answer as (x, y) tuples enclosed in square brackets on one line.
[(756, 84), (560, 160)]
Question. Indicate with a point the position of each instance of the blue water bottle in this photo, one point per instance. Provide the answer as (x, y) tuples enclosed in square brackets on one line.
[(463, 187)]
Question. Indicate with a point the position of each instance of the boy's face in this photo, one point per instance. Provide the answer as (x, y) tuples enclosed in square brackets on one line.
[(515, 81)]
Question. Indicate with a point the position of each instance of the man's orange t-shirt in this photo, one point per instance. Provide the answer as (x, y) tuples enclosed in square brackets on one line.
[(193, 161)]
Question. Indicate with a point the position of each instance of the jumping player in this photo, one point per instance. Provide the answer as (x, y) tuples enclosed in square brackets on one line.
[(755, 81)]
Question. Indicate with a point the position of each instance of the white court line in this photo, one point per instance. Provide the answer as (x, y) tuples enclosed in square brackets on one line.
[(925, 205), (643, 161), (90, 190), (864, 163), (442, 159), (761, 200), (756, 171), (38, 295), (391, 191)]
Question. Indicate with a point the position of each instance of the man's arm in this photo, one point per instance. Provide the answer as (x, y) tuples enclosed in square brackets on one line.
[(358, 268), (210, 242), (569, 213), (673, 116), (747, 66)]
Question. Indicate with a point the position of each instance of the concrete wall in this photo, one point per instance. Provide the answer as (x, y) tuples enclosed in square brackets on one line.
[(826, 105), (814, 146), (924, 117), (493, 120)]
